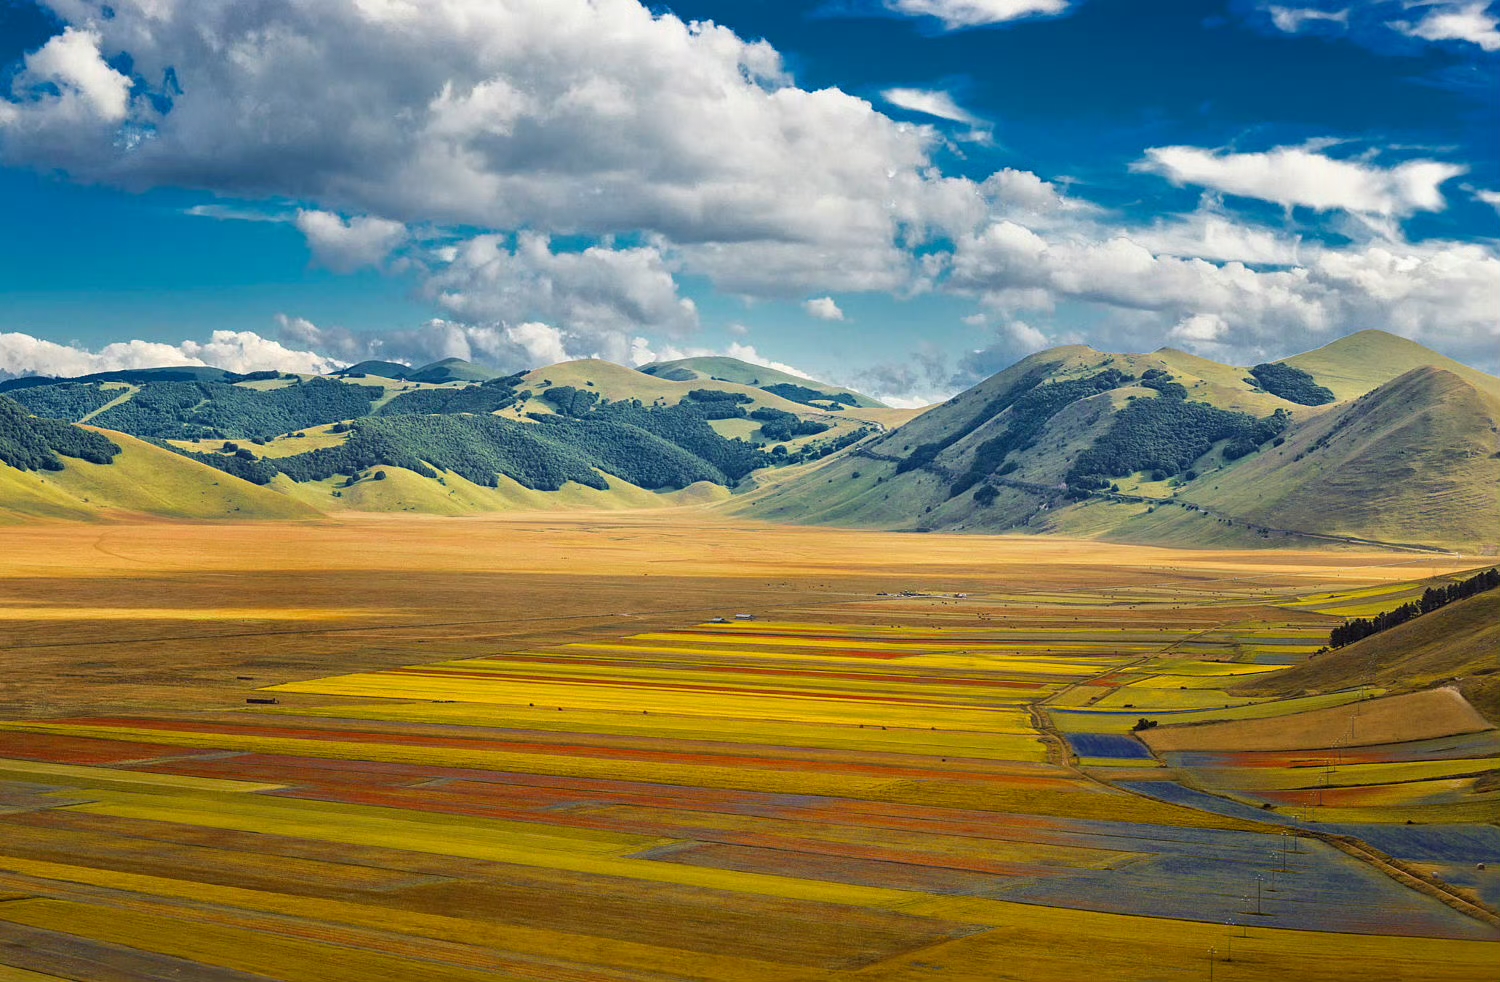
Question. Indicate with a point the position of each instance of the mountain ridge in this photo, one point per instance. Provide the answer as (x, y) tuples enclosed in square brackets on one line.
[(1165, 447)]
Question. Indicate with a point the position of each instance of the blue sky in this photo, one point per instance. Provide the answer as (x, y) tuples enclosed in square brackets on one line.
[(902, 195)]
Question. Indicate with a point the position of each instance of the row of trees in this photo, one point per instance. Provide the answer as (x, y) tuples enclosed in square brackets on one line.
[(1433, 599), (808, 396)]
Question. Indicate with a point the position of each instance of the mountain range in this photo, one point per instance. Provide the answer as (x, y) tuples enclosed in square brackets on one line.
[(1370, 439)]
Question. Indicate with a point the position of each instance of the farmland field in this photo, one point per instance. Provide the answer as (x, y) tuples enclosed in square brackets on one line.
[(532, 747)]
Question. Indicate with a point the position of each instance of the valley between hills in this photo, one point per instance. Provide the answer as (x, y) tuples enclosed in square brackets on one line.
[(1371, 440), (611, 674)]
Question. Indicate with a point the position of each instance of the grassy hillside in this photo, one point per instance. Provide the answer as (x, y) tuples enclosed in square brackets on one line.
[(616, 382), (1411, 462), (1353, 365), (726, 369), (450, 370), (1458, 644), (1172, 448), (406, 491), (143, 479)]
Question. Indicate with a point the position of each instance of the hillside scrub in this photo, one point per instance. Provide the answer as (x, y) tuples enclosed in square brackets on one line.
[(1028, 415), (69, 402), (807, 396), (925, 453), (1165, 435), (1291, 384), (487, 397), (216, 410), (30, 443), (778, 425), (570, 401)]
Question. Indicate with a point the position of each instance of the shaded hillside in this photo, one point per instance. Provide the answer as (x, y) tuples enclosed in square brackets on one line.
[(1459, 643), (1039, 437), (1175, 449), (1414, 461)]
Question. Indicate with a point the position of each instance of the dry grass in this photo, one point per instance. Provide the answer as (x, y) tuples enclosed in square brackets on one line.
[(1398, 719)]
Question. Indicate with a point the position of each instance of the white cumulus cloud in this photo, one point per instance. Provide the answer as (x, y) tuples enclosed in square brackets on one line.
[(572, 117), (598, 297), (1471, 22), (824, 309), (1298, 176), (235, 351), (347, 245)]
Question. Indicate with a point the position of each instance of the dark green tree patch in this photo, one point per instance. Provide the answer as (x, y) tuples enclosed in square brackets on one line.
[(1290, 383), (1164, 436), (69, 401), (1028, 414), (810, 397), (30, 443)]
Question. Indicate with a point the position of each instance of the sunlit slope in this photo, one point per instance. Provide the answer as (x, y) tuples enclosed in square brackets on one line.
[(1353, 365), (617, 382), (403, 491), (726, 369), (1412, 462), (871, 487), (1459, 643), (142, 480)]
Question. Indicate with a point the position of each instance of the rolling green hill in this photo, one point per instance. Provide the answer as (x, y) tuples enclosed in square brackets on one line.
[(1454, 645), (724, 369), (1175, 449), (1412, 461), (1165, 447), (1353, 365)]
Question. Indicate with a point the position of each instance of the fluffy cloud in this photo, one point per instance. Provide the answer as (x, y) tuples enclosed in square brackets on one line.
[(1491, 198), (64, 93), (1011, 342), (507, 348), (824, 309), (1211, 234), (1439, 292), (1471, 22), (344, 246), (577, 117), (598, 296), (921, 378), (1298, 176), (236, 351), (958, 14)]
